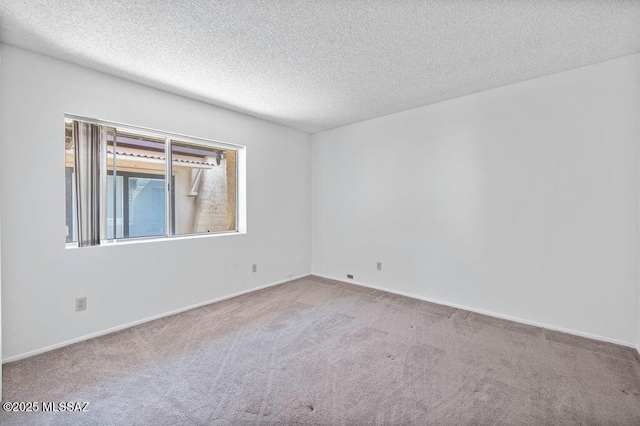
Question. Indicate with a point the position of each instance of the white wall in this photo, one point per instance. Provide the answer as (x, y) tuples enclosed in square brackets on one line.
[(520, 201), (126, 283)]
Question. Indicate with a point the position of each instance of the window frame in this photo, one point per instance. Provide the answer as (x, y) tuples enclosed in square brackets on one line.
[(169, 137)]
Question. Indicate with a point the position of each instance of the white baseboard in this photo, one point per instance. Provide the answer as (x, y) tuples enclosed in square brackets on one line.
[(489, 313), (142, 321)]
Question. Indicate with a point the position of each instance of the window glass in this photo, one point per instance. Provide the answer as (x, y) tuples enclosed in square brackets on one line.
[(136, 201), (205, 188), (70, 203), (146, 205)]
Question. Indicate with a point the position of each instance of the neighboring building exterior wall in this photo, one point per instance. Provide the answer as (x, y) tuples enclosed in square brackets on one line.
[(231, 162), (211, 202)]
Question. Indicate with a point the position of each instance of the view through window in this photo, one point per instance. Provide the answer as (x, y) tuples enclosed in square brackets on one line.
[(136, 200)]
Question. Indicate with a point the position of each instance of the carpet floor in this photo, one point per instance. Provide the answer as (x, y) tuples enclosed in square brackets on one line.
[(321, 352)]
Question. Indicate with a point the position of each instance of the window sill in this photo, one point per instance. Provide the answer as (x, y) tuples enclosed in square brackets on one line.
[(144, 240)]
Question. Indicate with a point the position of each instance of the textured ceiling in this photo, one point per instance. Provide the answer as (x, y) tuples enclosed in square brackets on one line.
[(316, 65)]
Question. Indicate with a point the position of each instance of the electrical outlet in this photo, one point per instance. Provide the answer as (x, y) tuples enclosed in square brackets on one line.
[(379, 266), (349, 276), (81, 304), (254, 267)]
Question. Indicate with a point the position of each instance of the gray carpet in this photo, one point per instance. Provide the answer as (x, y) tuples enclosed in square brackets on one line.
[(315, 351)]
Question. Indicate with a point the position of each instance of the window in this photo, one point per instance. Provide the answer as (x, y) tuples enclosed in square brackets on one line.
[(124, 182)]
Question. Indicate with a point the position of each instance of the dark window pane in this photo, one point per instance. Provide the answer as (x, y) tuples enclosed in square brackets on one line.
[(146, 207)]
